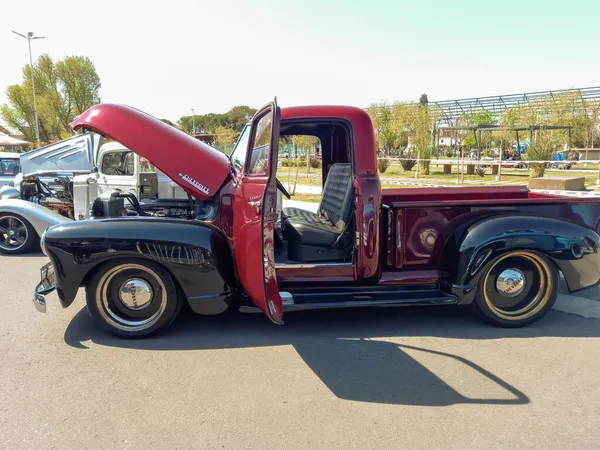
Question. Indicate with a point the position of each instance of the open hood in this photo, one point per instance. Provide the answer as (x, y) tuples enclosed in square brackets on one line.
[(75, 154), (195, 166)]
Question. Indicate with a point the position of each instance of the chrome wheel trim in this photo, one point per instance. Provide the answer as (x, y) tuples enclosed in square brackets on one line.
[(13, 233), (135, 294), (112, 316), (510, 283), (539, 300)]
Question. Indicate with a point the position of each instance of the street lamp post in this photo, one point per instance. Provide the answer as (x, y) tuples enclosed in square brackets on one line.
[(193, 123), (29, 37)]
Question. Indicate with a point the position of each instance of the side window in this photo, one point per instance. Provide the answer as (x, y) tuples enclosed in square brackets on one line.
[(259, 159), (118, 163), (129, 163), (111, 163)]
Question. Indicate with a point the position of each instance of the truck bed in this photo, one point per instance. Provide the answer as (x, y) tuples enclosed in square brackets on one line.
[(417, 221)]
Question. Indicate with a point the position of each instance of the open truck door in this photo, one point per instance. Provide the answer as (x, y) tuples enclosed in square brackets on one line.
[(255, 214)]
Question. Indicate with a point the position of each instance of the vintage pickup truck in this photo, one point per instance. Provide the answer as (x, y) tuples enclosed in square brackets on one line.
[(498, 248)]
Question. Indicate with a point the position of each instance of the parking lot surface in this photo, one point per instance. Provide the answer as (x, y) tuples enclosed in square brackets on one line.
[(385, 378)]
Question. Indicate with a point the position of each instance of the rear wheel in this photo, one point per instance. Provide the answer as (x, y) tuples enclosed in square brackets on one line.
[(517, 289), (132, 298), (17, 235)]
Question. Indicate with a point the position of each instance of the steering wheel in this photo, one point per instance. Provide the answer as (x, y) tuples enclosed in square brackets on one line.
[(283, 190)]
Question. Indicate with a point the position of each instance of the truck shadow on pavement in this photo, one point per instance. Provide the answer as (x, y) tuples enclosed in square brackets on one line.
[(351, 350)]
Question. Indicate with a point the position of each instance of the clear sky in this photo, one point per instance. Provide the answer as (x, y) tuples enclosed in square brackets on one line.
[(166, 57)]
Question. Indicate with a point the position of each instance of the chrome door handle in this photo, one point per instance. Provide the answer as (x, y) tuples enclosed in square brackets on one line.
[(256, 204)]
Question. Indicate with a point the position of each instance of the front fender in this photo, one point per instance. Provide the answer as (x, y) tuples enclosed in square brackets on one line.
[(195, 253), (38, 216), (575, 249)]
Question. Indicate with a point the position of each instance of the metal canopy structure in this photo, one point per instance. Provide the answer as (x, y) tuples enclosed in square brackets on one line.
[(478, 129), (452, 110)]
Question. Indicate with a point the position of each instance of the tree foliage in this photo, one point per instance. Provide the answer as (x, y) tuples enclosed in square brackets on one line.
[(478, 118), (168, 122), (234, 119), (224, 136), (63, 89), (400, 123)]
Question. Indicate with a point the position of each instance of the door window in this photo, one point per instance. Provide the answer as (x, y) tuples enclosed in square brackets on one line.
[(259, 160), (238, 155)]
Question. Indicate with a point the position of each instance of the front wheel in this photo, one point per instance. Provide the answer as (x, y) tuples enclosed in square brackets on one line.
[(517, 289), (17, 235), (132, 298)]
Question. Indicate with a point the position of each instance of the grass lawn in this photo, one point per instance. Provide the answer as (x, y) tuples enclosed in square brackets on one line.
[(314, 198)]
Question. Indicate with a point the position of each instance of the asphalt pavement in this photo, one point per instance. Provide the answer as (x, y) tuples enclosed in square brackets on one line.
[(385, 378)]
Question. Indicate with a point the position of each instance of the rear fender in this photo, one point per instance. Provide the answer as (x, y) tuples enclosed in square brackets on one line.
[(575, 249), (38, 216), (196, 254)]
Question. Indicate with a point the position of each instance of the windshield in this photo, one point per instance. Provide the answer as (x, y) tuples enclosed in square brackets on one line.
[(238, 155), (9, 166)]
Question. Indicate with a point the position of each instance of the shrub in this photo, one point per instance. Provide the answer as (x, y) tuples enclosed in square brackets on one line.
[(408, 163), (287, 163), (314, 162), (383, 162)]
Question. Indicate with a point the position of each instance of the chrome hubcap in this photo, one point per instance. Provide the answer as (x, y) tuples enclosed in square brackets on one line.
[(136, 294), (510, 283), (132, 305)]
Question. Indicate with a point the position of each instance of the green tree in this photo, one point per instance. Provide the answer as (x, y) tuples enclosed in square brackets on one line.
[(168, 122), (387, 129), (224, 137), (63, 90), (235, 119), (421, 133), (423, 100), (479, 118), (238, 116)]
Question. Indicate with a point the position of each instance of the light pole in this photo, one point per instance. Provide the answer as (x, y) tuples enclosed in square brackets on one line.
[(193, 124), (29, 37)]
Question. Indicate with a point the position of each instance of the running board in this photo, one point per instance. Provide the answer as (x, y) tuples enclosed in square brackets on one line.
[(435, 298)]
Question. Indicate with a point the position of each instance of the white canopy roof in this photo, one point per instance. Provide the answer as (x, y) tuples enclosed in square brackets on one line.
[(7, 141)]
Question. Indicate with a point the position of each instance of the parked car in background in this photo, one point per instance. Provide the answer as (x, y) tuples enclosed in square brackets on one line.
[(10, 166), (64, 180)]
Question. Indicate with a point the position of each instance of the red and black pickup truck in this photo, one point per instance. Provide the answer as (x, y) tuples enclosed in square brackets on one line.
[(499, 248)]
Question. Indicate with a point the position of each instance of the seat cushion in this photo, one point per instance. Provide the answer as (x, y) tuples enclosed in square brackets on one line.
[(298, 212), (313, 231)]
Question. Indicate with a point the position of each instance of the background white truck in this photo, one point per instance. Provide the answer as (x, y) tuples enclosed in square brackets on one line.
[(63, 180)]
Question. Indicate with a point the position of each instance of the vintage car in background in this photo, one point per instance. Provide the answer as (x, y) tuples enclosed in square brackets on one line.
[(62, 180), (500, 249), (10, 166)]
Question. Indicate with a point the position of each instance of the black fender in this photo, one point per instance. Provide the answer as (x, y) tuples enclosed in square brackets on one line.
[(574, 249), (197, 255)]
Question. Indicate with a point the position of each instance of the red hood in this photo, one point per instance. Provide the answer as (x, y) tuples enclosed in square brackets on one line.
[(195, 166)]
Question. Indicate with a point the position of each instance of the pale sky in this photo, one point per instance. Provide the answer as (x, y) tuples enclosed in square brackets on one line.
[(165, 57)]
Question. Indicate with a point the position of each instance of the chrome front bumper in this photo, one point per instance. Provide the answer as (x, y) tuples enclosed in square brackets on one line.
[(44, 287)]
